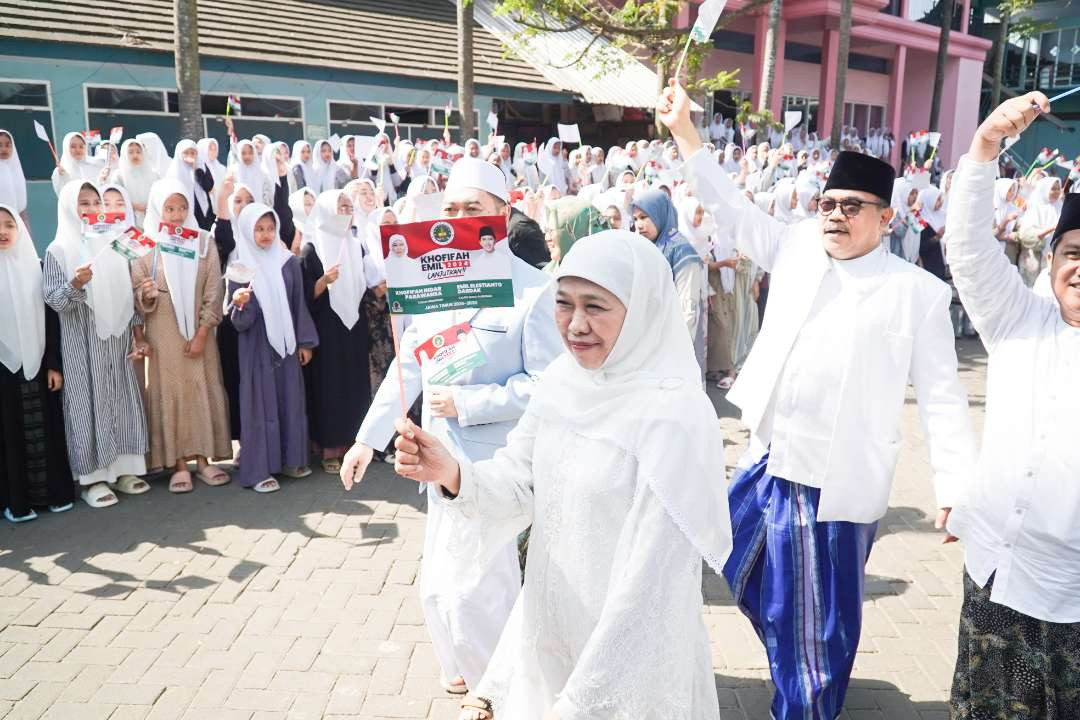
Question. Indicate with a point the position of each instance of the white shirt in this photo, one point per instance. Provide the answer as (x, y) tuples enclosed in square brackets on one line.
[(1021, 520), (805, 402), (900, 319)]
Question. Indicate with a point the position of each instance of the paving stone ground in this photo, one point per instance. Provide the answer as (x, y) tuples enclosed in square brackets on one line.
[(302, 604)]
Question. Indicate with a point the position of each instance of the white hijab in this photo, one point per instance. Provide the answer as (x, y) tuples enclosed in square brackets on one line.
[(336, 245), (730, 164), (1040, 213), (22, 322), (928, 198), (155, 152), (180, 170), (269, 283), (180, 273), (782, 192), (137, 179), (12, 179), (651, 365), (109, 292), (303, 219), (323, 174), (307, 169), (214, 167), (251, 174), (85, 169)]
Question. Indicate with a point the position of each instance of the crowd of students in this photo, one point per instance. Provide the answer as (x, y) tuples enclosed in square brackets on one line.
[(270, 327)]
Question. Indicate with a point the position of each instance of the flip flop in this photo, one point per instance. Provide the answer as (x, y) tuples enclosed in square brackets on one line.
[(61, 508), (132, 485), (25, 518), (331, 465), (214, 476), (99, 495), (181, 483), (268, 485)]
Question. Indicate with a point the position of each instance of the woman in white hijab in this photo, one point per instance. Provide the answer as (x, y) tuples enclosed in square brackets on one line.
[(182, 168), (552, 166), (136, 175), (249, 172), (787, 200), (302, 165), (422, 200), (209, 152), (338, 379), (156, 152), (89, 287), (75, 163), (1037, 224), (180, 299), (276, 337), (609, 620), (302, 204), (1006, 213), (525, 166), (35, 471), (12, 179)]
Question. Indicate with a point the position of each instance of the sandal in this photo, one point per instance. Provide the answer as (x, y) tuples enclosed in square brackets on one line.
[(268, 485), (726, 383), (131, 485), (213, 476), (61, 508), (332, 465), (181, 483), (475, 708), (295, 472), (99, 495), (455, 687), (10, 516)]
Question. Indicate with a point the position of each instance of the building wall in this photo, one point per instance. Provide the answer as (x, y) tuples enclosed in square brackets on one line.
[(68, 68), (803, 78)]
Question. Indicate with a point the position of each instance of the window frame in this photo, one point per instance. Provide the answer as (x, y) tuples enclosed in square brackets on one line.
[(48, 108)]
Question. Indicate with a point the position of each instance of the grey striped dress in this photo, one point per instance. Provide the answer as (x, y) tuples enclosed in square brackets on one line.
[(103, 410)]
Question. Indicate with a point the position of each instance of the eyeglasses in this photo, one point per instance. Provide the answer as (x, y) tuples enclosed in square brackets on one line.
[(850, 207)]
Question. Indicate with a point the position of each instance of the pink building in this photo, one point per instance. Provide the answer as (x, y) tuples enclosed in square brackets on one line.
[(890, 76)]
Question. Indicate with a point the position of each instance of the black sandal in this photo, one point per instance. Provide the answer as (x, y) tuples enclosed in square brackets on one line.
[(478, 703)]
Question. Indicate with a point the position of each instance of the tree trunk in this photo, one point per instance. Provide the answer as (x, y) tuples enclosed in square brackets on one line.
[(186, 60), (843, 48), (772, 55), (942, 58), (465, 67), (662, 64), (1000, 50)]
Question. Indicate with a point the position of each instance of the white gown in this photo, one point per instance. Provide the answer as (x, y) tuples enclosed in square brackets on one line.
[(609, 622)]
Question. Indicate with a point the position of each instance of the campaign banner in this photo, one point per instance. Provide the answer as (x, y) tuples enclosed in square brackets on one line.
[(182, 241), (447, 265)]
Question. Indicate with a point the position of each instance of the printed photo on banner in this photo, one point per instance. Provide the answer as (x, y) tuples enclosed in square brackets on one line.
[(447, 265), (446, 356)]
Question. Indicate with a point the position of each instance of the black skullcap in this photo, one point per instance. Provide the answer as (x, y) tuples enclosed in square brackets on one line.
[(1069, 220), (856, 171)]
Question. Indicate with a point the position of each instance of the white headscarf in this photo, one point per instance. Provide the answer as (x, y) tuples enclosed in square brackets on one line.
[(1003, 207), (307, 169), (109, 291), (12, 180), (137, 179), (154, 152), (336, 245), (651, 365), (553, 169), (699, 236), (251, 174), (22, 321), (268, 284), (85, 169), (214, 167), (1040, 213), (303, 219), (782, 209), (180, 273), (730, 164), (323, 174), (180, 170), (928, 198), (417, 187), (269, 163)]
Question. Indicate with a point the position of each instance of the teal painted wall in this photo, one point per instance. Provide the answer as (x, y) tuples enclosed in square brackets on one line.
[(67, 68)]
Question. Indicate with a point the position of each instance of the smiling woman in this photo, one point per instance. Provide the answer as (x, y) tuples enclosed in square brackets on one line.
[(609, 621)]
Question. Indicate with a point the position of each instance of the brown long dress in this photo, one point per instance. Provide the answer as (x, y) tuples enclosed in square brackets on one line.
[(186, 411), (721, 327)]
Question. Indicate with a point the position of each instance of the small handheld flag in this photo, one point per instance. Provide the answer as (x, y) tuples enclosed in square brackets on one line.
[(708, 16), (379, 123), (39, 130), (233, 106), (116, 134)]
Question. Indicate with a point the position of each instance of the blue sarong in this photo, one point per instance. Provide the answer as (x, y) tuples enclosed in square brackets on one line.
[(800, 582)]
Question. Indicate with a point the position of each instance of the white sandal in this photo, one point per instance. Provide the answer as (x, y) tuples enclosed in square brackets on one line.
[(268, 485), (132, 485), (99, 495), (295, 472)]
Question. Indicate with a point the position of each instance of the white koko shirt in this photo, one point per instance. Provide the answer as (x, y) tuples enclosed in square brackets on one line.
[(1022, 517), (826, 380)]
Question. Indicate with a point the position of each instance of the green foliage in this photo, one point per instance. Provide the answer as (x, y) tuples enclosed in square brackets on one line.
[(759, 119)]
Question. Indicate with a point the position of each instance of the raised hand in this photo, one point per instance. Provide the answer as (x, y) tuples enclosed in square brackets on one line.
[(1009, 119)]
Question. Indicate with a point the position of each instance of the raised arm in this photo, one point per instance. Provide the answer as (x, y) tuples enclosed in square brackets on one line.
[(992, 291), (757, 234)]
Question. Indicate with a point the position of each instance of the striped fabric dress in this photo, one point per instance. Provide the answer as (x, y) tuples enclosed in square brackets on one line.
[(103, 410)]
